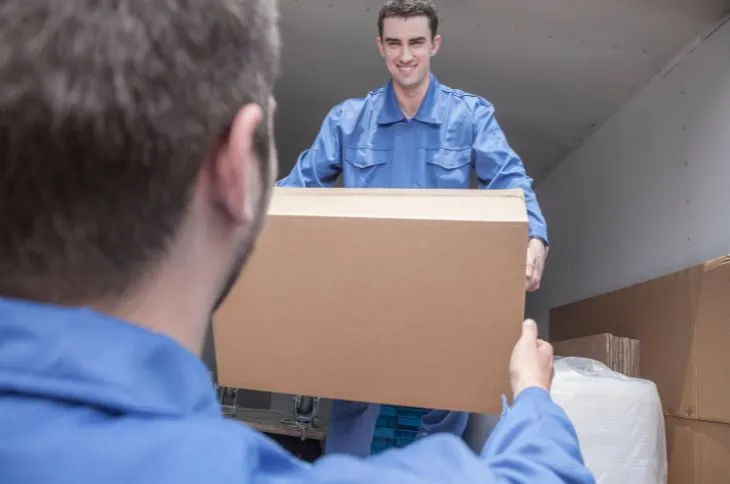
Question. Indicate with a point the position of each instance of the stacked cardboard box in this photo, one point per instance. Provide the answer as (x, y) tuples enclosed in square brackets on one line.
[(618, 353), (683, 323), (380, 296)]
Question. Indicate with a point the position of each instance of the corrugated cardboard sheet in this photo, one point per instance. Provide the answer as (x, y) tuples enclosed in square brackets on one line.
[(698, 451), (683, 323), (409, 297), (617, 353)]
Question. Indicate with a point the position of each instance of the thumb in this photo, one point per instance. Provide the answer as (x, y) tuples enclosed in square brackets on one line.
[(529, 331)]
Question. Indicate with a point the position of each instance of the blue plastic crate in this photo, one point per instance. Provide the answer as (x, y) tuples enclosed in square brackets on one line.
[(407, 434), (384, 432), (403, 442), (387, 421), (396, 411), (396, 433), (379, 447), (406, 421), (391, 433), (400, 421), (396, 427), (383, 443)]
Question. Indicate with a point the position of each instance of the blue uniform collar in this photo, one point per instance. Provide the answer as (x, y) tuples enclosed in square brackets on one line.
[(429, 112), (83, 357)]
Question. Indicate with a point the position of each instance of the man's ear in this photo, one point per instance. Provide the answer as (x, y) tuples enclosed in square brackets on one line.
[(435, 44), (236, 180), (381, 46)]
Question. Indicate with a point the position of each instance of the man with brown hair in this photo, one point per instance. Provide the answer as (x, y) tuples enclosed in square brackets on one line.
[(414, 133), (136, 160)]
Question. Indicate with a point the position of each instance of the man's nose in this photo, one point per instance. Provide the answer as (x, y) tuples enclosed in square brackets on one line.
[(406, 55)]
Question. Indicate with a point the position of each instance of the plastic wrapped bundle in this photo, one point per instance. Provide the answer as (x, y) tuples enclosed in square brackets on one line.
[(618, 419)]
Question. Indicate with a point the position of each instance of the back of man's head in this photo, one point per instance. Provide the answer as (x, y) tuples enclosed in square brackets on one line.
[(108, 109)]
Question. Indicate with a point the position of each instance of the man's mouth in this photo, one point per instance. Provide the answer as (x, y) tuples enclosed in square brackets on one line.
[(407, 69)]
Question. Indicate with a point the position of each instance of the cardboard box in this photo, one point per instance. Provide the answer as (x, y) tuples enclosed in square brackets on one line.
[(683, 323), (406, 297), (698, 451), (617, 353)]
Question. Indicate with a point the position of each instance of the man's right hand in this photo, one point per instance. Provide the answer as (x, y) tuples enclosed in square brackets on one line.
[(531, 364)]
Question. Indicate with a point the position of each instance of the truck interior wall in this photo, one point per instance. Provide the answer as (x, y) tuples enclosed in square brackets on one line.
[(648, 193)]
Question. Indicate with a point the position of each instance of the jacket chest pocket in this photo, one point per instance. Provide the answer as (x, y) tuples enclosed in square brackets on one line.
[(366, 168), (449, 168)]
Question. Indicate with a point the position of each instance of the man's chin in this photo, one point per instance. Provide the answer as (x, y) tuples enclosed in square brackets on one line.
[(408, 81)]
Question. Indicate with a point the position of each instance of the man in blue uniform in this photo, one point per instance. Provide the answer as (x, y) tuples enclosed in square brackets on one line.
[(137, 161), (413, 133)]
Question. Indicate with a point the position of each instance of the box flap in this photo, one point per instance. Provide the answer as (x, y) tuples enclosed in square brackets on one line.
[(463, 205)]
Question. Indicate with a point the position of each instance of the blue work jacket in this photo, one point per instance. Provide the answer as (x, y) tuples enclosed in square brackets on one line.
[(89, 399), (454, 135)]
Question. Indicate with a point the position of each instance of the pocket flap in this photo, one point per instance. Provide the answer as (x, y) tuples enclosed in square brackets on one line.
[(367, 157), (450, 159)]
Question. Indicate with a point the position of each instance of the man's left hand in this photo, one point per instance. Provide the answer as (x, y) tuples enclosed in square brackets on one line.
[(536, 256)]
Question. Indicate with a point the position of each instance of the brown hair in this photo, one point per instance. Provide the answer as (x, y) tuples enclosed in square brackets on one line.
[(409, 8), (108, 108)]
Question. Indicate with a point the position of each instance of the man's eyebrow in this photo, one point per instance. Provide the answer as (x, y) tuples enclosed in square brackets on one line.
[(413, 39)]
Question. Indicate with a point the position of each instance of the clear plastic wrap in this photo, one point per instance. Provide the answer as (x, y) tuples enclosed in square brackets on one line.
[(618, 419)]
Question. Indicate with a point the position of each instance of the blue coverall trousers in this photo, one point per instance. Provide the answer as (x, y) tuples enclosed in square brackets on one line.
[(352, 425)]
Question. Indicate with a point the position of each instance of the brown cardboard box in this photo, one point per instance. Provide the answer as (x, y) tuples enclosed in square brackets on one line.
[(698, 451), (407, 297), (683, 323), (617, 353)]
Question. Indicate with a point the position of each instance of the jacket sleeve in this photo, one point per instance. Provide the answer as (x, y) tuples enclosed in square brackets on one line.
[(534, 443), (321, 164), (497, 165)]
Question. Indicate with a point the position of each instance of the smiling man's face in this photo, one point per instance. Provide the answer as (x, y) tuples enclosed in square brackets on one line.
[(407, 46)]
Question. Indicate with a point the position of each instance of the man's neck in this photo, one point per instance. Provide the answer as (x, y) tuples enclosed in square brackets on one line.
[(411, 98), (169, 317), (170, 302)]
